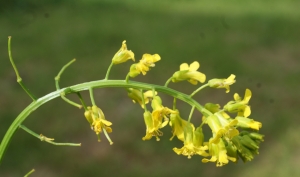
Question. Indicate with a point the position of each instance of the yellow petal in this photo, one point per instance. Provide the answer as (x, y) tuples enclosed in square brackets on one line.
[(194, 66), (184, 66), (105, 122), (231, 78), (197, 76), (164, 123), (192, 81), (248, 95), (156, 57), (222, 158), (247, 111), (236, 97), (212, 159)]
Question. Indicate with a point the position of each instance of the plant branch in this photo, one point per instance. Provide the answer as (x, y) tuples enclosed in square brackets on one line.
[(46, 139), (57, 79), (86, 86), (19, 79)]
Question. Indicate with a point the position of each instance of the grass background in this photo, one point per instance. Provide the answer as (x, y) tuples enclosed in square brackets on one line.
[(259, 41)]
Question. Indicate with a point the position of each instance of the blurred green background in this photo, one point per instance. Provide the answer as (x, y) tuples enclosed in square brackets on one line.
[(258, 40)]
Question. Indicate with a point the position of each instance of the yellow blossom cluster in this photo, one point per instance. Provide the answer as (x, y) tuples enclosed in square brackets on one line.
[(233, 134)]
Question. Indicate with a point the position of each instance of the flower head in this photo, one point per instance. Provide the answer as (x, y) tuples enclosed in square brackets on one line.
[(143, 65), (98, 123), (240, 105), (189, 73), (222, 83), (123, 55), (193, 142)]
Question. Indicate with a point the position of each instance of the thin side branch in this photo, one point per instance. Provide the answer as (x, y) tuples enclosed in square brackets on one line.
[(46, 139), (19, 79)]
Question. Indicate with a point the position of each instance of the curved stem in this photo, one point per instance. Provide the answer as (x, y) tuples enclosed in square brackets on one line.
[(86, 86), (143, 100), (127, 78), (57, 78), (30, 172), (82, 101), (19, 79), (191, 113), (174, 103), (168, 81), (92, 96), (108, 70), (200, 88), (46, 139), (69, 101)]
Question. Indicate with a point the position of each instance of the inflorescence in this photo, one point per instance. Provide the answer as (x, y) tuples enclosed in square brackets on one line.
[(233, 137), (234, 134)]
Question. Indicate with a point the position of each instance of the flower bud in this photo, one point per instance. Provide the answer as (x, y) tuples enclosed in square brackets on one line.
[(123, 55)]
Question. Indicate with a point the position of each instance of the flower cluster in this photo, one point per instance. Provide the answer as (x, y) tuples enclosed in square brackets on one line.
[(233, 134)]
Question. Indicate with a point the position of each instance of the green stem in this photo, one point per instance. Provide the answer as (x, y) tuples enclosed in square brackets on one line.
[(82, 101), (153, 92), (108, 138), (143, 100), (191, 113), (19, 79), (200, 88), (86, 86), (108, 70), (174, 103), (62, 95), (127, 78), (92, 96), (168, 81), (48, 140), (30, 172), (57, 79)]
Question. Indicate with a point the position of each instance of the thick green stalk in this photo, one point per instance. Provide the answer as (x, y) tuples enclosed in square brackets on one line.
[(86, 86)]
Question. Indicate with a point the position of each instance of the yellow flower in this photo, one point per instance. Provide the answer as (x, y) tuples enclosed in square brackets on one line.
[(220, 123), (222, 83), (144, 65), (177, 124), (193, 142), (216, 128), (159, 112), (136, 96), (239, 105), (218, 154), (228, 124), (152, 127), (149, 60), (189, 73), (123, 55), (98, 123), (245, 122)]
